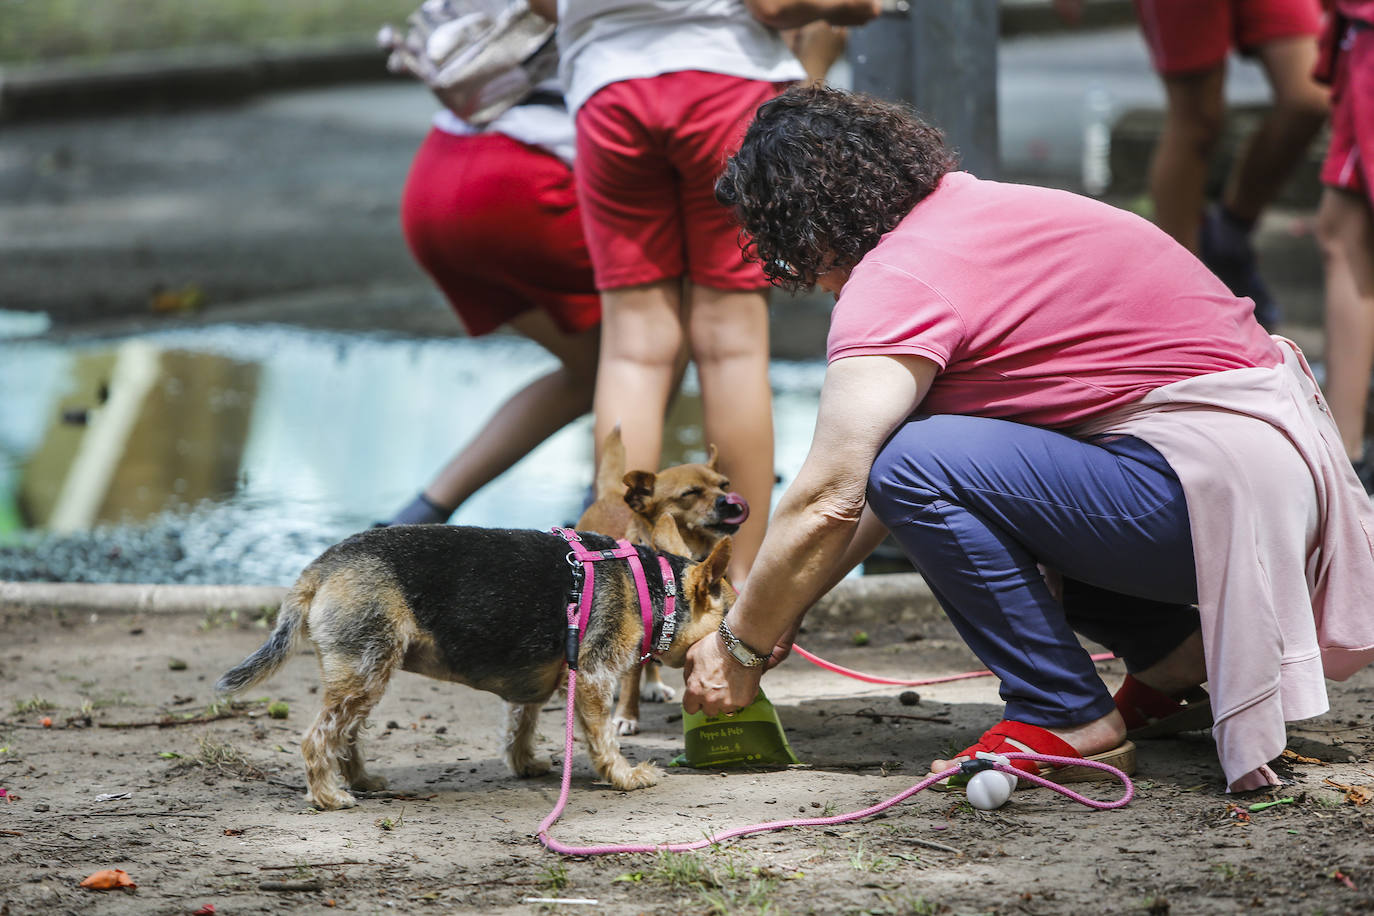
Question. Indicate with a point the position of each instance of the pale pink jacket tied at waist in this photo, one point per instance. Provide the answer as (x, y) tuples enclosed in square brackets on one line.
[(1282, 543)]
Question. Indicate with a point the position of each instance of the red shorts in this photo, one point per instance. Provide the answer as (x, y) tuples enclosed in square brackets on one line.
[(495, 223), (648, 155), (1352, 117), (1185, 36)]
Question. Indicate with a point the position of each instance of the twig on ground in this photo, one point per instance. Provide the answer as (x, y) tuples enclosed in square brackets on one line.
[(309, 865), (932, 845), (873, 714), (136, 814), (169, 721), (312, 885)]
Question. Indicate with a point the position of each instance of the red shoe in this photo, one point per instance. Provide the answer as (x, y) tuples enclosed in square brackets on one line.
[(1036, 740), (1150, 713)]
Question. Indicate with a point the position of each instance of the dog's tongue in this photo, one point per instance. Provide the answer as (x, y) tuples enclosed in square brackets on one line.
[(735, 499)]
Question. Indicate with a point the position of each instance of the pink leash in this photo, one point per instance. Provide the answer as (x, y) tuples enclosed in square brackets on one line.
[(860, 676), (564, 849)]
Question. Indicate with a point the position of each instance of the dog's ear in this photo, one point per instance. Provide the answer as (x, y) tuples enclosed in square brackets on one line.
[(639, 491), (705, 578), (610, 468), (711, 456), (668, 538)]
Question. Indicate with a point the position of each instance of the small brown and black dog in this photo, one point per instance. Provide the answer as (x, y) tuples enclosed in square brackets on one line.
[(630, 504), (483, 607)]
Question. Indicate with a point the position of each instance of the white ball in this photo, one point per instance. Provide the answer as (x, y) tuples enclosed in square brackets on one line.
[(990, 789)]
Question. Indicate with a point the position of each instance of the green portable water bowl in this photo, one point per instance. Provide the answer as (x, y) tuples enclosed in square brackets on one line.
[(752, 737)]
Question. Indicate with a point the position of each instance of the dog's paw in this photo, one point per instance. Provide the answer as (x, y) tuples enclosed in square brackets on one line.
[(624, 726), (637, 777), (331, 801), (533, 766), (368, 783), (657, 692)]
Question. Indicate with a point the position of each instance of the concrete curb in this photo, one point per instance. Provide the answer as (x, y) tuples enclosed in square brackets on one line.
[(897, 598), (188, 76), (26, 599)]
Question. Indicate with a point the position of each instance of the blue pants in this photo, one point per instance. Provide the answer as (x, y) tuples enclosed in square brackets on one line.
[(978, 503)]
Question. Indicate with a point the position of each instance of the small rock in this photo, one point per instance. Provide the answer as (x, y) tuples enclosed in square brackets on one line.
[(909, 698)]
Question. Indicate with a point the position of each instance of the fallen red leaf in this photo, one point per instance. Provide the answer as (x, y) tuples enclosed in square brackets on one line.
[(107, 879), (207, 910), (1343, 878)]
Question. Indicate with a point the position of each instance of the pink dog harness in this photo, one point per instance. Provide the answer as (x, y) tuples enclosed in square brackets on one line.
[(584, 562)]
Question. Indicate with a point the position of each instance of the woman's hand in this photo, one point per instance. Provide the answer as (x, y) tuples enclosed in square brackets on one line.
[(784, 646), (716, 683)]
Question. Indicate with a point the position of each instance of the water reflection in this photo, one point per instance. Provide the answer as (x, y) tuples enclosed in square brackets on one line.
[(235, 454)]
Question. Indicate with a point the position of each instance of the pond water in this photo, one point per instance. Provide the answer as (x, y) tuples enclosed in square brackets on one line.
[(235, 454)]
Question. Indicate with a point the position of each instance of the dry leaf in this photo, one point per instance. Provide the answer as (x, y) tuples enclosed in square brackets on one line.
[(108, 878), (1295, 757), (1356, 795)]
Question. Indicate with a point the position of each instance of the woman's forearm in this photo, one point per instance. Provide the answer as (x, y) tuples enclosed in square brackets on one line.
[(804, 554)]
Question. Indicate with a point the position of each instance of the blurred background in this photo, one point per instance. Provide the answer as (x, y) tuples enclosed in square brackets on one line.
[(216, 354)]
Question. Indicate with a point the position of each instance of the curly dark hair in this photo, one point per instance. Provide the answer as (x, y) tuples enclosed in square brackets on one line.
[(822, 175)]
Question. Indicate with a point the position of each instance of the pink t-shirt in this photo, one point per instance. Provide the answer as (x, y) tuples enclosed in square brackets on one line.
[(1040, 306), (1362, 10)]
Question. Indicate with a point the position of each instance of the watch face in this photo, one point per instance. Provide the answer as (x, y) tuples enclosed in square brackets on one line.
[(743, 655)]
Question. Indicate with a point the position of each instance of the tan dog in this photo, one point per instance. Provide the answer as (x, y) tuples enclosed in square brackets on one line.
[(629, 505), (483, 607)]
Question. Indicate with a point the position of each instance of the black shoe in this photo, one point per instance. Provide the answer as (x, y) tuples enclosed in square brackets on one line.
[(1229, 254), (1365, 471)]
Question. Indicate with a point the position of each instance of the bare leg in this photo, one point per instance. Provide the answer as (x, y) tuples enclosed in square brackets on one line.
[(1178, 170), (530, 416), (1345, 229), (729, 337), (641, 341), (1178, 672), (1300, 107)]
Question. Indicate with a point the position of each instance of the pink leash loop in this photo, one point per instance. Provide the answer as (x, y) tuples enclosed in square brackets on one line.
[(555, 846)]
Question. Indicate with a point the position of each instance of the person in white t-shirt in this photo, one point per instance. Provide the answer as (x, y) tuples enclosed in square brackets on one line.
[(490, 213), (661, 91)]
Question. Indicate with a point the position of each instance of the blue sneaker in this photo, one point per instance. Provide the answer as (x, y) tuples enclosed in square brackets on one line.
[(1226, 250)]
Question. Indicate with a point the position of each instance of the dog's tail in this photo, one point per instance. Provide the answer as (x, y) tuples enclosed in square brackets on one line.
[(270, 656)]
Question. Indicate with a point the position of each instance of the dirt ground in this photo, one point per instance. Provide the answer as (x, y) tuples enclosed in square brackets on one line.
[(136, 773)]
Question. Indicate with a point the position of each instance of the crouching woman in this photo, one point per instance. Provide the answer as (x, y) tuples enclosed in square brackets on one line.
[(1022, 379)]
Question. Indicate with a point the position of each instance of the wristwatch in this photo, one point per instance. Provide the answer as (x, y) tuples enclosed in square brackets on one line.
[(742, 653)]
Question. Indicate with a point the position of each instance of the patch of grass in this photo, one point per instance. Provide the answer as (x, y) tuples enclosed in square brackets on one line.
[(33, 704), (45, 29), (907, 904), (681, 869), (859, 860), (392, 823), (727, 901), (104, 700), (225, 758), (555, 877)]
